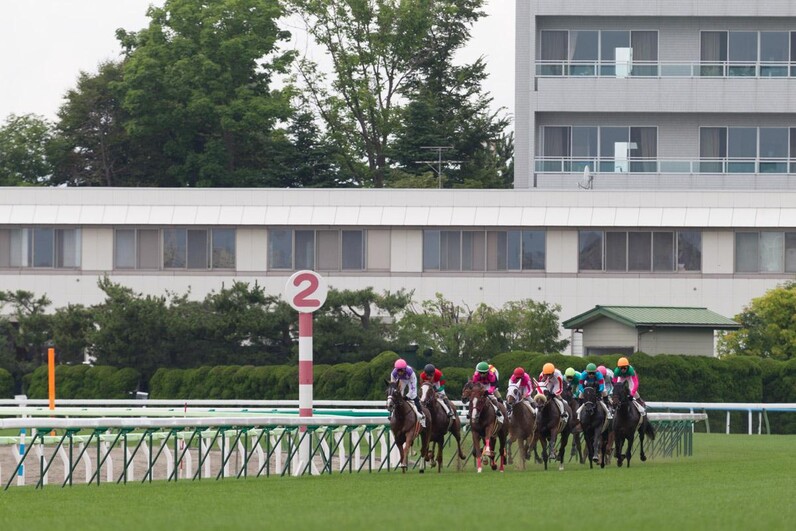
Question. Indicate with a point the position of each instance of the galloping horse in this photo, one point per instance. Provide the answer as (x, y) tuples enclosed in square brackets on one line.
[(406, 426), (440, 424), (569, 398), (628, 420), (549, 425), (522, 421), (484, 425), (596, 428)]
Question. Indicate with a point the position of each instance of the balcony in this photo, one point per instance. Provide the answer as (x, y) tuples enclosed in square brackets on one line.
[(665, 69)]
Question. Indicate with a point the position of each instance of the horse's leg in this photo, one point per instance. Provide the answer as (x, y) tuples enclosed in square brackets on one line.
[(477, 450), (618, 442), (642, 455), (629, 448), (589, 442), (563, 451), (552, 450), (490, 444), (440, 444), (503, 456)]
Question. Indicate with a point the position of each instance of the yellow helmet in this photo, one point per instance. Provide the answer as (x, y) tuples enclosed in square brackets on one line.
[(548, 368), (622, 362)]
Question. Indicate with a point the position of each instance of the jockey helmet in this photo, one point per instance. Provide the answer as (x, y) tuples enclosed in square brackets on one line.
[(400, 363), (482, 367), (570, 372), (602, 370), (429, 369), (518, 372), (622, 362), (591, 368), (548, 368)]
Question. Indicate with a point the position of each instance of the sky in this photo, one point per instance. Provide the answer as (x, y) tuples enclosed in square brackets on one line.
[(45, 44)]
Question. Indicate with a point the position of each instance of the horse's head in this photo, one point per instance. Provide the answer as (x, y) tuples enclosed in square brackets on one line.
[(566, 393), (393, 395), (621, 393), (466, 390), (478, 398), (513, 395), (427, 393)]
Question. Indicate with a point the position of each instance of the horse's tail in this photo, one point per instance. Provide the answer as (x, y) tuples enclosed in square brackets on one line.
[(649, 429)]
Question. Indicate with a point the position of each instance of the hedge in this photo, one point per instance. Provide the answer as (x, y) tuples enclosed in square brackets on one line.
[(84, 381)]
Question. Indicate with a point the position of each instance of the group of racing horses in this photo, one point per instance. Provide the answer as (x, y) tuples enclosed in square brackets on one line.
[(526, 421)]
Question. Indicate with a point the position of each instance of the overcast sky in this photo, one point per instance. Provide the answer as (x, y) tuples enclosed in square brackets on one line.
[(44, 44)]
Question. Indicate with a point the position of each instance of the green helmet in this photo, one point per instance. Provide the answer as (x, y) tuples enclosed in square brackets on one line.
[(570, 372), (591, 367), (482, 367)]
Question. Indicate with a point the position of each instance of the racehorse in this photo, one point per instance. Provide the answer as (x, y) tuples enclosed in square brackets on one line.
[(406, 426), (569, 398), (440, 424), (627, 421), (596, 429), (549, 425), (484, 425), (522, 421)]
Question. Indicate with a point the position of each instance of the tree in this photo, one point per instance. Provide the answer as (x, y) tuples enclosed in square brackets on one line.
[(24, 145), (197, 88), (377, 48), (768, 327), (28, 334), (71, 327)]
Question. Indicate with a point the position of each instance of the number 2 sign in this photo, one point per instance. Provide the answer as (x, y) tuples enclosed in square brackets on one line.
[(306, 291)]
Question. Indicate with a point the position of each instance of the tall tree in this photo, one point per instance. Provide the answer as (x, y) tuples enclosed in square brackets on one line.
[(24, 150), (197, 87), (377, 48)]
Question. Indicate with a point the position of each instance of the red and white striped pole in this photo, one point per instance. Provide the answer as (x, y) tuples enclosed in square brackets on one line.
[(306, 292)]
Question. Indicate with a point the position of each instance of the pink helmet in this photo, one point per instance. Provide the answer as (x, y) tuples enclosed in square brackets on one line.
[(602, 370), (400, 363)]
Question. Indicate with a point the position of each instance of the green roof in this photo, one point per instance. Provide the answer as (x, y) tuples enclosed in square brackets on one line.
[(663, 316)]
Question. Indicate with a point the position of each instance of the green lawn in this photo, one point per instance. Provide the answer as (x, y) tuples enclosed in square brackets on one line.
[(733, 482)]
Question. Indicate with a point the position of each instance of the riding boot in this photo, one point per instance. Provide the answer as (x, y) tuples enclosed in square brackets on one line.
[(446, 408), (561, 408), (420, 416), (498, 411)]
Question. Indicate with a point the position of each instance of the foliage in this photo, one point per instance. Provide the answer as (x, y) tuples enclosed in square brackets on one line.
[(71, 327), (7, 385), (768, 327), (84, 381), (24, 150), (28, 334)]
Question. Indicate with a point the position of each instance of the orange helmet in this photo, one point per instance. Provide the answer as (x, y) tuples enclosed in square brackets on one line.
[(548, 368), (622, 362)]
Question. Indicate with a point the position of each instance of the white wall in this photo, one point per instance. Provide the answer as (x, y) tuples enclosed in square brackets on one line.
[(697, 342)]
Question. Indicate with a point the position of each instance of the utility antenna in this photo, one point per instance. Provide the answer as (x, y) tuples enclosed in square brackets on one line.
[(587, 183), (438, 162)]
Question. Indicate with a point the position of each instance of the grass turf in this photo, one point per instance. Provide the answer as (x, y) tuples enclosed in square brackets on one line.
[(732, 482)]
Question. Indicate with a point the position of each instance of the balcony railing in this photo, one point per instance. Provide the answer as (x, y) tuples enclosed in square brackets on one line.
[(682, 166), (661, 69)]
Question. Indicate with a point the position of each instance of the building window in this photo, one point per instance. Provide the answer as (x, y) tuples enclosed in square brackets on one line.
[(324, 250), (471, 250), (765, 252), (639, 251), (40, 247), (746, 53), (606, 149), (174, 248), (746, 149)]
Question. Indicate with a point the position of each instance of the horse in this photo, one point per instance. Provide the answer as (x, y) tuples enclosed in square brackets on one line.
[(549, 425), (577, 449), (522, 421), (484, 425), (440, 424), (596, 428), (406, 426), (627, 421)]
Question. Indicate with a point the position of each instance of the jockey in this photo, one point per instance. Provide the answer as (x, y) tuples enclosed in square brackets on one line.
[(625, 371), (407, 383), (591, 377), (552, 384), (608, 376), (521, 378), (434, 375), (487, 375), (572, 379)]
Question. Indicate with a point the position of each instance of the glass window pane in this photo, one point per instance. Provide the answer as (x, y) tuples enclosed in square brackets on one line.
[(556, 141), (663, 251), (639, 255), (616, 251), (124, 249), (772, 251), (67, 248), (584, 142), (327, 250), (174, 248), (5, 248), (773, 142), (713, 53), (712, 142), (554, 46), (689, 250), (21, 248), (43, 244), (611, 40), (746, 252), (223, 248), (304, 249), (514, 250), (473, 250), (609, 136), (496, 250), (378, 249), (742, 142), (280, 249), (790, 252), (774, 46), (450, 250), (353, 250), (583, 45), (148, 249), (533, 249), (645, 45), (743, 46), (431, 250), (197, 249), (590, 250)]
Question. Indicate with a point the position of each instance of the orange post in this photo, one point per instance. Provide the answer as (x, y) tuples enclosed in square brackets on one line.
[(51, 374)]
